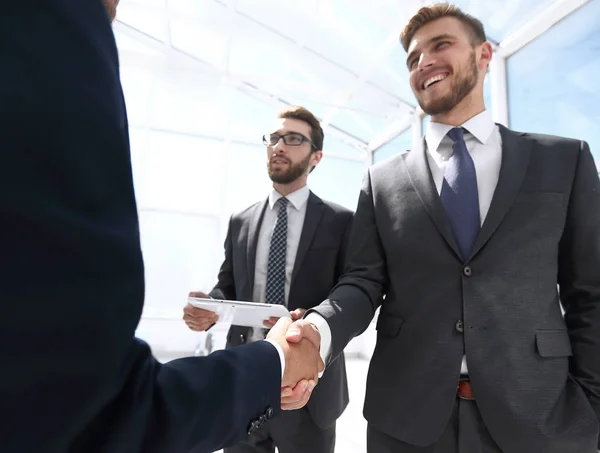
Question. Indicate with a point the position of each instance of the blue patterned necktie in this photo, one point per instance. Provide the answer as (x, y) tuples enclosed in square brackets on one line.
[(460, 196), (275, 290)]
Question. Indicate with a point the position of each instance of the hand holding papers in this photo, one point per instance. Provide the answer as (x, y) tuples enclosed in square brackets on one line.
[(250, 314)]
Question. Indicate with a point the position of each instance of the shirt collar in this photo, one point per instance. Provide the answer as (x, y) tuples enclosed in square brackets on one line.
[(297, 199), (480, 126)]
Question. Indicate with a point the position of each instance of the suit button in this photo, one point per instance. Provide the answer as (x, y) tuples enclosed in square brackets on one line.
[(467, 271), (242, 338), (269, 413), (459, 326), (253, 426)]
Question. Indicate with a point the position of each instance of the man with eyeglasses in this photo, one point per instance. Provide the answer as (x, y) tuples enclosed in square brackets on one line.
[(286, 249)]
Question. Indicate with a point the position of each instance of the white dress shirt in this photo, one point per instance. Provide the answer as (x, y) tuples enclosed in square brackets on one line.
[(484, 144), (296, 212)]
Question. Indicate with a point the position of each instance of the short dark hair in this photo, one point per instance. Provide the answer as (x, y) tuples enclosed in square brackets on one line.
[(439, 10), (300, 113)]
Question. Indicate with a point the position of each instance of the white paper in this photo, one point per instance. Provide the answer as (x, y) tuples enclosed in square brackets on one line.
[(250, 314)]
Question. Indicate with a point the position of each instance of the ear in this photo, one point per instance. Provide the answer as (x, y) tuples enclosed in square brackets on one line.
[(315, 158), (486, 54)]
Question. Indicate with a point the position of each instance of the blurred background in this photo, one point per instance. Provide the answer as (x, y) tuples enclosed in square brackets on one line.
[(204, 79)]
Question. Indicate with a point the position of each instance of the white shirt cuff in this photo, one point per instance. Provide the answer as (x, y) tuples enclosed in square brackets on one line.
[(319, 322), (281, 356)]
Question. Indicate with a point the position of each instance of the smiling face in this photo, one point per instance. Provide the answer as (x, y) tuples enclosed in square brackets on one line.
[(446, 69)]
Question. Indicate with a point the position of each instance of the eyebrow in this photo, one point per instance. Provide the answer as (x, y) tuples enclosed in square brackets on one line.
[(282, 132), (431, 41)]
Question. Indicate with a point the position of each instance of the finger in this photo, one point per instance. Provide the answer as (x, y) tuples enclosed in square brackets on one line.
[(311, 333), (194, 327), (296, 393), (280, 328), (198, 294), (297, 314), (210, 319), (296, 404), (199, 326), (300, 401), (295, 332), (268, 323), (199, 312)]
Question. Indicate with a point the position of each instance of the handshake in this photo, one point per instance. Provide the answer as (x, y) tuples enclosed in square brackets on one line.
[(299, 341)]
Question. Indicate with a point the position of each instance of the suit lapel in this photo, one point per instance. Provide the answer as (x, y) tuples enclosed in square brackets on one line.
[(314, 212), (420, 176), (515, 160), (256, 217)]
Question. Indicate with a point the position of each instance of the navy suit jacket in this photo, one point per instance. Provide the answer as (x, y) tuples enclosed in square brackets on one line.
[(73, 377)]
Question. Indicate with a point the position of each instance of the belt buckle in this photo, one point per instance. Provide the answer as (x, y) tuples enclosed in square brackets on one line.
[(464, 390)]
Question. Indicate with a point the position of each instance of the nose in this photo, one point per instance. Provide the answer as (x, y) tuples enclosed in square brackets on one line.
[(278, 147), (426, 60)]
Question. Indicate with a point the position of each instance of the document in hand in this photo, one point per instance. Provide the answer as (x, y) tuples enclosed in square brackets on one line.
[(250, 314)]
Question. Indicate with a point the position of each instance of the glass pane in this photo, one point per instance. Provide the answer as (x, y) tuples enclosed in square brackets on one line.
[(181, 253), (246, 178), (553, 82), (392, 75), (248, 117), (137, 88), (147, 16), (398, 145), (338, 180), (201, 29), (137, 143), (189, 102), (499, 22), (285, 69), (336, 145), (183, 173), (370, 111)]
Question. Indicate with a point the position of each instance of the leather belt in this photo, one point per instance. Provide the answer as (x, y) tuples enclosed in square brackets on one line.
[(465, 391)]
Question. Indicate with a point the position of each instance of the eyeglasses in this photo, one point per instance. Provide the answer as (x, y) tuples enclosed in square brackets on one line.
[(290, 139)]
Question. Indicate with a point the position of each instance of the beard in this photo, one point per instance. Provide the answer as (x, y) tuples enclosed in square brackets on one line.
[(292, 173), (460, 88)]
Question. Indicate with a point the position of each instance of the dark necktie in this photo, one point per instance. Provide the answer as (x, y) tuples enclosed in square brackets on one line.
[(275, 289), (460, 196)]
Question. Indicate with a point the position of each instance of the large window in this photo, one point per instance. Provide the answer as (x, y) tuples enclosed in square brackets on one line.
[(398, 145), (553, 82)]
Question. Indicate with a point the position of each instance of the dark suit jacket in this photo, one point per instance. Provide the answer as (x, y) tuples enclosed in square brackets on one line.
[(73, 377), (535, 375), (319, 263)]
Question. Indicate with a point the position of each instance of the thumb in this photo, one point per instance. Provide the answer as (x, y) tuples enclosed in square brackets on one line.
[(311, 333), (280, 328), (299, 330)]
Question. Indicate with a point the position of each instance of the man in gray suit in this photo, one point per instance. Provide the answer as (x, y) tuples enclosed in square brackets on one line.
[(468, 237), (310, 257)]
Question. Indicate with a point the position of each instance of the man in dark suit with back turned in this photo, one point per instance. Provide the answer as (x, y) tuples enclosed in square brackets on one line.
[(74, 379), (468, 235), (311, 260)]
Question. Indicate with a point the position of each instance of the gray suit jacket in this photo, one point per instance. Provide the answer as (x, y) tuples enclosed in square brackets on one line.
[(319, 264), (535, 374)]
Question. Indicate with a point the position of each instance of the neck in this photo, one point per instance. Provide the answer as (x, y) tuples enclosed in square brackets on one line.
[(462, 112), (286, 189)]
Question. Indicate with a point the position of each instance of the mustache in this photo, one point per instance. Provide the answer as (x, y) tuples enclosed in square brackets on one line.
[(279, 157)]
